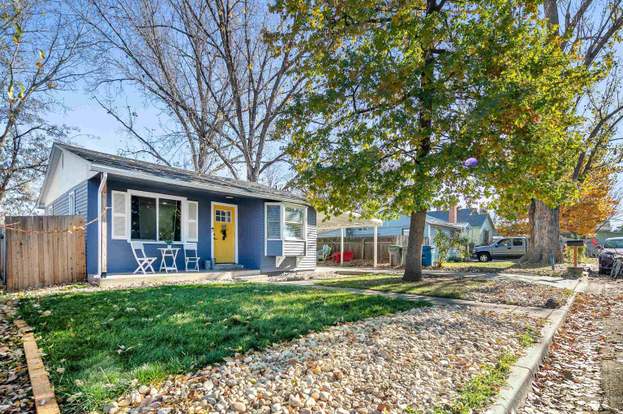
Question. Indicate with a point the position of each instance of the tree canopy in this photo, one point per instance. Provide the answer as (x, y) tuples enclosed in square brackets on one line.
[(403, 93)]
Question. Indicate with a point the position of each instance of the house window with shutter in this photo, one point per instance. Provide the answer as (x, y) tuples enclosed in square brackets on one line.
[(151, 217)]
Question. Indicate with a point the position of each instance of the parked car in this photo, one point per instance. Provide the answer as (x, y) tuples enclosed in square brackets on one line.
[(506, 248), (612, 247)]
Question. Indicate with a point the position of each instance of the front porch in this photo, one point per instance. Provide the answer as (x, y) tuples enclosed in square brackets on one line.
[(118, 280)]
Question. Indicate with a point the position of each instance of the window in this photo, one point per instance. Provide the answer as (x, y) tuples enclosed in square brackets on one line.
[(273, 222), (144, 218), (504, 243), (294, 222), (517, 242), (223, 216), (169, 220), (155, 219), (613, 244), (72, 203)]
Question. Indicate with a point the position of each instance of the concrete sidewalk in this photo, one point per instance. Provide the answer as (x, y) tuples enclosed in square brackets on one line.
[(533, 311)]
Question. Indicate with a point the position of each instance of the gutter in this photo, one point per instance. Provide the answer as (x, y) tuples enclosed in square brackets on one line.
[(100, 191)]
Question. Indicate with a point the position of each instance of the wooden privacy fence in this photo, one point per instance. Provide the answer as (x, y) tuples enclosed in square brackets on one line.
[(41, 251)]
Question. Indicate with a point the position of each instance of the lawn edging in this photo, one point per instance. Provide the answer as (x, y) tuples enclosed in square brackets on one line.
[(42, 390), (523, 371)]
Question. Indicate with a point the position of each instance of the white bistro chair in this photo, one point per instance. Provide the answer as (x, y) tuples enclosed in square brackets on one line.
[(144, 263), (191, 257)]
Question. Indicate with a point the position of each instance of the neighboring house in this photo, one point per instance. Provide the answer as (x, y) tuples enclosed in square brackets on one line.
[(233, 222), (400, 227), (481, 229)]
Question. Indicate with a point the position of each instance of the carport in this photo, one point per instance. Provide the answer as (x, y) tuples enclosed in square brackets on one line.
[(349, 221)]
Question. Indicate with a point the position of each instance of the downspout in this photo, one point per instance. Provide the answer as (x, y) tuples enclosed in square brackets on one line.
[(100, 192)]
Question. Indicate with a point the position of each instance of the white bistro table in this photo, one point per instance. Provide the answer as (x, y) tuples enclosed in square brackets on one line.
[(168, 253)]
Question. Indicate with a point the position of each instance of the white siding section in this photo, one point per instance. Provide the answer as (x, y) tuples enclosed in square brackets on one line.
[(308, 262), (70, 171), (293, 247)]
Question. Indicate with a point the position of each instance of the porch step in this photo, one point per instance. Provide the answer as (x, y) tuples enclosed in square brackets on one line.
[(227, 266)]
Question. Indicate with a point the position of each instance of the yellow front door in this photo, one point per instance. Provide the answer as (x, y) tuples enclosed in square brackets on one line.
[(224, 233)]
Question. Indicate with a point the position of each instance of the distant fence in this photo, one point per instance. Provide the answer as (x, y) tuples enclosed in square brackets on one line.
[(39, 251), (363, 247)]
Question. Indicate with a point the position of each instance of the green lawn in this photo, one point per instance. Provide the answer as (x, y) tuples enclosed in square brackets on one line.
[(96, 343), (437, 286)]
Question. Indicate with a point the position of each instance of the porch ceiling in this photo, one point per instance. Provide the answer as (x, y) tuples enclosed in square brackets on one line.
[(345, 221)]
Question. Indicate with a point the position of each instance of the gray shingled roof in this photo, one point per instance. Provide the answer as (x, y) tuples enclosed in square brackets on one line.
[(465, 215), (179, 174)]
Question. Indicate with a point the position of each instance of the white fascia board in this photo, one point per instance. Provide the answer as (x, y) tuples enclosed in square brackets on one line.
[(195, 185)]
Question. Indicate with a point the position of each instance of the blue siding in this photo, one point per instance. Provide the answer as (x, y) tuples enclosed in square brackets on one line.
[(250, 228), (61, 204), (274, 248)]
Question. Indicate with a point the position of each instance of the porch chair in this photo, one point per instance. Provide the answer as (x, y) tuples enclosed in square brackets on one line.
[(191, 257), (144, 262), (324, 252)]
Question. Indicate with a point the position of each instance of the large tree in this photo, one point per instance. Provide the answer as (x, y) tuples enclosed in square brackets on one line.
[(591, 30), (404, 92), (206, 65), (40, 51)]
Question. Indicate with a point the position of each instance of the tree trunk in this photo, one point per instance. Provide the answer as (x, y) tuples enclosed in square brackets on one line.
[(544, 224), (413, 259)]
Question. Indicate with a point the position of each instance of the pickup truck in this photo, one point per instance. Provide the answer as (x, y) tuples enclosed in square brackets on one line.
[(506, 248)]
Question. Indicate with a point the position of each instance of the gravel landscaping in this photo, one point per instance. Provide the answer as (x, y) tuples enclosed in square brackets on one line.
[(572, 378), (15, 390), (511, 292), (423, 359)]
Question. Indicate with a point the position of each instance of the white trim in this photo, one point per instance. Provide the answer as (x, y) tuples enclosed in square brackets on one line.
[(157, 197), (235, 206), (72, 202)]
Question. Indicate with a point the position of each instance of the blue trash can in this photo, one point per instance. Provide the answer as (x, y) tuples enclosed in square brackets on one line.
[(427, 255)]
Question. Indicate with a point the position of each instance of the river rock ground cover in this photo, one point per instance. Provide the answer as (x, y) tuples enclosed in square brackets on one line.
[(511, 292), (98, 343), (443, 358)]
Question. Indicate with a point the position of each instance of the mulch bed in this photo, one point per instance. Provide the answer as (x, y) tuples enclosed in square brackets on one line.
[(15, 389)]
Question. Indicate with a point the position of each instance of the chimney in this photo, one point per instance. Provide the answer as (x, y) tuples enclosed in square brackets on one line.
[(453, 213)]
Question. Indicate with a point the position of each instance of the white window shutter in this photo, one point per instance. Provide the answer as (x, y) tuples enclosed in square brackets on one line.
[(120, 215), (192, 221)]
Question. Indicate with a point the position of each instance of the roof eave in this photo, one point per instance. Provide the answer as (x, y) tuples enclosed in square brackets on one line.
[(196, 185)]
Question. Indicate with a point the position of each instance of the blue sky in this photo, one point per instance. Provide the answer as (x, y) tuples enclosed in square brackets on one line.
[(95, 128)]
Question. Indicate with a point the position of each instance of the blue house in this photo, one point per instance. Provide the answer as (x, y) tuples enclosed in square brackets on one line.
[(234, 223)]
